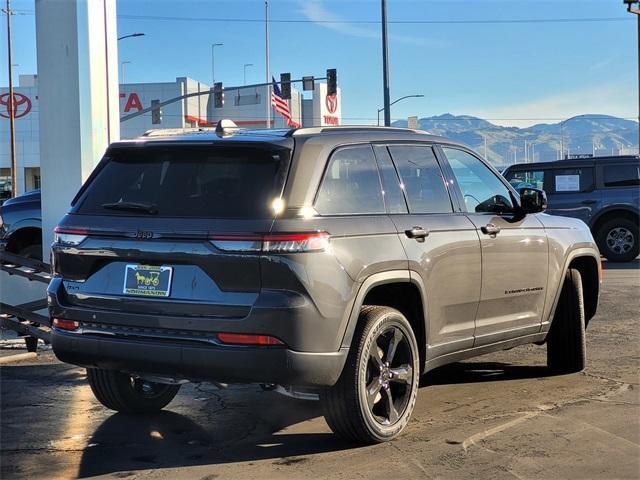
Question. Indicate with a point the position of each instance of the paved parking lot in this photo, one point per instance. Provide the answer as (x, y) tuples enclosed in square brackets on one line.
[(497, 416)]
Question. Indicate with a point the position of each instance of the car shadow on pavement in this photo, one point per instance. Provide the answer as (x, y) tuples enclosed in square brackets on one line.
[(475, 372), (632, 265), (253, 431)]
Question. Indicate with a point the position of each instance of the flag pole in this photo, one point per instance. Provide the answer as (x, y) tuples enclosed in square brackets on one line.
[(268, 74)]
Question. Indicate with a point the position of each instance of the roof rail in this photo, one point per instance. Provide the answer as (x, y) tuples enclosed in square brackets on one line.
[(352, 128), (165, 132)]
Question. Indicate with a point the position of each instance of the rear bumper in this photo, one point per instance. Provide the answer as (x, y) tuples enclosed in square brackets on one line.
[(228, 364)]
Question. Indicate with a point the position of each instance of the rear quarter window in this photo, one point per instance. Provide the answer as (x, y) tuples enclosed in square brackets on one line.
[(188, 181), (621, 175), (351, 184)]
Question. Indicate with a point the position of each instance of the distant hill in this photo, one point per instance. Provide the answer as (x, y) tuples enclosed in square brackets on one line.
[(581, 134)]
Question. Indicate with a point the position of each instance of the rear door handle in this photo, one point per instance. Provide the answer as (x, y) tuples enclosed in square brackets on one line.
[(417, 232), (490, 229), (588, 202)]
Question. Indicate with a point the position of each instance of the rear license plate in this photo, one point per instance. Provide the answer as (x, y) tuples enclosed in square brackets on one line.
[(147, 280)]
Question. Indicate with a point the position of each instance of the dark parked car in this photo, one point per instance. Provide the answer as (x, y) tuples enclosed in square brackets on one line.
[(21, 225), (343, 262), (603, 192)]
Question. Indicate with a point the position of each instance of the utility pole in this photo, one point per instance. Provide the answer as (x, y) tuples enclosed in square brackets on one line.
[(213, 63), (267, 99), (11, 108), (636, 11), (385, 66)]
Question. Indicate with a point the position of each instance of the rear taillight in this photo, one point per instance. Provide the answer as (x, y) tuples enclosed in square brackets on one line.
[(273, 243), (248, 339), (69, 236), (65, 324)]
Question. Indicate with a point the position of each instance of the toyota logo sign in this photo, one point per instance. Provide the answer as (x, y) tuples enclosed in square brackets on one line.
[(332, 103), (21, 105)]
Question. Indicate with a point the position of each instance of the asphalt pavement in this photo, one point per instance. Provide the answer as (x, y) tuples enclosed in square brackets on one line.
[(498, 416)]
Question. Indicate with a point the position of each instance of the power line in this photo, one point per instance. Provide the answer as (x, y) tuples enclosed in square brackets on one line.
[(377, 22)]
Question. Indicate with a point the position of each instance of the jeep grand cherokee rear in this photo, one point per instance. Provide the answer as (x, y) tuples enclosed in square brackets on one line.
[(167, 267)]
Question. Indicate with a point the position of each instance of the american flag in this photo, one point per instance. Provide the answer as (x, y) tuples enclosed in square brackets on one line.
[(280, 105)]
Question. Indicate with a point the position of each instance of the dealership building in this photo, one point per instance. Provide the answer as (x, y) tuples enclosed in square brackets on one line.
[(247, 106)]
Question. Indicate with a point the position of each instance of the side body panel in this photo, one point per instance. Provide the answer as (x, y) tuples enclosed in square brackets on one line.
[(447, 266), (514, 277), (568, 239)]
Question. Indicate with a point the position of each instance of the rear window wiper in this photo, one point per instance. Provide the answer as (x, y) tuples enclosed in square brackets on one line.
[(132, 206)]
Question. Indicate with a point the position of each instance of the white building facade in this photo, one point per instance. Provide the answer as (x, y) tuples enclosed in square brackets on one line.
[(247, 106)]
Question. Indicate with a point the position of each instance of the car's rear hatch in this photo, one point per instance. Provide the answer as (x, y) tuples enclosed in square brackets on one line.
[(139, 237)]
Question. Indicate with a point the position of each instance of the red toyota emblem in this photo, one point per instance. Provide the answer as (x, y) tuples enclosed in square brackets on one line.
[(332, 103), (21, 105)]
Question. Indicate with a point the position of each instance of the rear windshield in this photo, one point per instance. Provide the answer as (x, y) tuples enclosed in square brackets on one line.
[(191, 181)]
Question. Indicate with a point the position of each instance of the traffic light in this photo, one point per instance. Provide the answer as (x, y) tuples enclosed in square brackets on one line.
[(308, 83), (218, 95), (285, 85), (332, 81), (156, 113)]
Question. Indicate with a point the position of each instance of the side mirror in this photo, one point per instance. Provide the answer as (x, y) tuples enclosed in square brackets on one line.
[(532, 200)]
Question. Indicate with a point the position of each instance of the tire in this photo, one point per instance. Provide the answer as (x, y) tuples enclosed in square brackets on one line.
[(32, 251), (372, 362), (124, 393), (566, 343), (619, 240)]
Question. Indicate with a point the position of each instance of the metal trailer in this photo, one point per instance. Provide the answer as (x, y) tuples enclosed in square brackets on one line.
[(23, 318)]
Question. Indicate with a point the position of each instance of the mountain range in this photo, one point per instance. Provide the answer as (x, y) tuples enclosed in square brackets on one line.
[(583, 134)]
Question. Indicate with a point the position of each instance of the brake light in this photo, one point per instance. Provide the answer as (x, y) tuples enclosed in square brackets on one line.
[(65, 324), (273, 243), (69, 236), (248, 339)]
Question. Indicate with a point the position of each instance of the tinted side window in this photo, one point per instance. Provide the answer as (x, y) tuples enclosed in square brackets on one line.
[(621, 175), (393, 196), (351, 184), (526, 178), (567, 180), (421, 179), (482, 190)]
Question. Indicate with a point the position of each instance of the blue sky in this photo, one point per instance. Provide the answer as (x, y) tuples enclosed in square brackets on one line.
[(506, 72)]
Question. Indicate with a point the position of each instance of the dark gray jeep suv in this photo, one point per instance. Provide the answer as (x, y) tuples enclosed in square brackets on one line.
[(340, 262)]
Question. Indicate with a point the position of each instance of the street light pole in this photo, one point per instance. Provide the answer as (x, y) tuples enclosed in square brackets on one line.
[(122, 67), (396, 101), (244, 76), (385, 66), (213, 64), (636, 10), (10, 107)]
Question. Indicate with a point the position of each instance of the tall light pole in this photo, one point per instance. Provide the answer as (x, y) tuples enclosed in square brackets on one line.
[(394, 102), (566, 120), (122, 67), (385, 66), (213, 63), (636, 10), (10, 107), (267, 64), (131, 35), (244, 73)]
